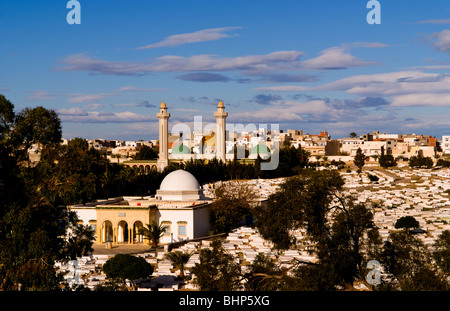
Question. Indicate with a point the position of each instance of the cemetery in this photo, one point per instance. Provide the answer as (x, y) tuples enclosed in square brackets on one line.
[(421, 193)]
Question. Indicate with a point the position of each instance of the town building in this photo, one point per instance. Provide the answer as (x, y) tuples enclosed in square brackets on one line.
[(445, 144)]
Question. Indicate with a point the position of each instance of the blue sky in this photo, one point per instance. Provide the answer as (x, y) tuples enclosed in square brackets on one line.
[(309, 65)]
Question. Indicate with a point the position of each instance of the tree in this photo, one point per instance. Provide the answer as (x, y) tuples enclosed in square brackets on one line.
[(37, 125), (342, 251), (7, 117), (406, 222), (217, 270), (302, 201), (73, 173), (387, 160), (441, 253), (126, 266), (359, 160), (179, 260), (337, 227), (153, 233), (146, 153), (232, 204), (443, 163), (35, 231), (420, 161), (407, 259), (264, 275)]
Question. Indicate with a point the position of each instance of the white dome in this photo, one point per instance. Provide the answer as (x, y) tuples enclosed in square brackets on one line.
[(179, 180)]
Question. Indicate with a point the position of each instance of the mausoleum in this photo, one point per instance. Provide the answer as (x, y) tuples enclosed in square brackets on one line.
[(179, 205)]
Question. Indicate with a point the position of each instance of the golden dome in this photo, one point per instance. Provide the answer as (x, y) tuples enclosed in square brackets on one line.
[(163, 104), (220, 105)]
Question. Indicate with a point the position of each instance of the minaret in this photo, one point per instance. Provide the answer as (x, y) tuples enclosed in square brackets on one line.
[(163, 117), (220, 115)]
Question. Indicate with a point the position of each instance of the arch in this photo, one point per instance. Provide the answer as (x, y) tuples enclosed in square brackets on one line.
[(141, 169), (147, 169), (137, 238), (122, 234), (107, 231)]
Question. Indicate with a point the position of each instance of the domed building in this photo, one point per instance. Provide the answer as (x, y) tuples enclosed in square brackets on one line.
[(179, 186), (262, 150), (179, 205), (180, 149)]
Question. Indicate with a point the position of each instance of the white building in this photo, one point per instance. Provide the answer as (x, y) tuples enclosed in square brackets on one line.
[(179, 205), (445, 145)]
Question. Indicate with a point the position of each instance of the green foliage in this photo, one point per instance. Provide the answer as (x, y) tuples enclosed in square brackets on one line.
[(372, 178), (217, 270), (264, 275), (407, 259), (306, 201), (146, 153), (153, 233), (291, 161), (71, 174), (420, 161), (179, 259), (32, 224), (231, 205), (303, 200), (126, 266), (443, 163), (7, 117), (441, 252), (112, 285), (341, 250), (360, 159), (406, 222), (37, 125), (387, 160)]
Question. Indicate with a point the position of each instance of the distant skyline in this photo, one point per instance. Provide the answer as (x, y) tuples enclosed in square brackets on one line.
[(306, 65)]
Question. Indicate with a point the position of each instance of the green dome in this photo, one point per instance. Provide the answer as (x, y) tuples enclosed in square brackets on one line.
[(181, 149), (260, 149)]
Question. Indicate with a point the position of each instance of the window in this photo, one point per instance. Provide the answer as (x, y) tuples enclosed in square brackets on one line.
[(182, 228), (166, 225), (93, 224)]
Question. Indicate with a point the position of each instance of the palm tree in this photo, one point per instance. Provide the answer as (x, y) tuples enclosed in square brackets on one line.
[(179, 259), (153, 233)]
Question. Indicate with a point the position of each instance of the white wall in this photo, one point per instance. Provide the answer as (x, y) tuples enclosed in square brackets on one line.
[(174, 216), (85, 214), (197, 220)]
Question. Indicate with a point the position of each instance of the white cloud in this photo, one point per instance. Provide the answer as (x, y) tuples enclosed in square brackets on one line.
[(138, 89), (87, 98), (435, 21), (74, 111), (280, 60), (336, 58), (329, 59), (211, 34), (41, 95), (405, 88), (424, 99), (79, 115), (442, 41)]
